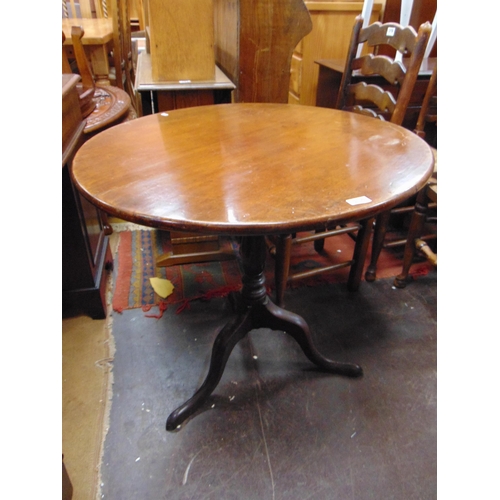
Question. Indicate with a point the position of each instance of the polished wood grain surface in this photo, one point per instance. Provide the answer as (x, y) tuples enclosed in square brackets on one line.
[(251, 168)]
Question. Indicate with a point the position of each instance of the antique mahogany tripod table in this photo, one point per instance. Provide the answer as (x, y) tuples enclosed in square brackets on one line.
[(251, 170)]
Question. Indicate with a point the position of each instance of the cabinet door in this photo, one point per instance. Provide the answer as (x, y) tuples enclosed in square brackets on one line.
[(85, 253), (83, 237)]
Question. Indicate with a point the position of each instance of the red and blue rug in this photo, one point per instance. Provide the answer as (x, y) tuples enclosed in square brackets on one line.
[(138, 251)]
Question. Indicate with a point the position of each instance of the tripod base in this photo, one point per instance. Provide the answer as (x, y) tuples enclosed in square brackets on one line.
[(255, 310)]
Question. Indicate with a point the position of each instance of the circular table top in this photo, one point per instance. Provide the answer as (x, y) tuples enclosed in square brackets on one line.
[(251, 168)]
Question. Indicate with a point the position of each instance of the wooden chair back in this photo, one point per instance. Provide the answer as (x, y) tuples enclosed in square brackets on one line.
[(86, 88), (82, 62), (390, 100)]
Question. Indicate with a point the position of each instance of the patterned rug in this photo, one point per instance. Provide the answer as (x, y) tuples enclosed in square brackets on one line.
[(138, 250)]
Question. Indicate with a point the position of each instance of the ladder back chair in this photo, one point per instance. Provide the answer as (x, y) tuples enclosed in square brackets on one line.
[(416, 240), (387, 101)]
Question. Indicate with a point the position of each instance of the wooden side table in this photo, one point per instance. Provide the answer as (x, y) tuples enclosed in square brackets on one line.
[(165, 96)]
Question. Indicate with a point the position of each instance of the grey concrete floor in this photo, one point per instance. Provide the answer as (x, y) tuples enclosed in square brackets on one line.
[(276, 427)]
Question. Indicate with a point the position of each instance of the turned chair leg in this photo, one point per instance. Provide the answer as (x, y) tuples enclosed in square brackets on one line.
[(319, 245), (282, 266), (416, 229), (381, 224)]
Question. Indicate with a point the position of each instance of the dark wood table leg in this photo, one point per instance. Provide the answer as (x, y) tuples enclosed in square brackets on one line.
[(255, 310)]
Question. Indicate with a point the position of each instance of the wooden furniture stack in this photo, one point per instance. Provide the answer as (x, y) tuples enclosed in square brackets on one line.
[(85, 245)]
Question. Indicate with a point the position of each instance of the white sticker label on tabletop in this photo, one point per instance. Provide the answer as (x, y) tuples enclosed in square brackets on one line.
[(359, 200)]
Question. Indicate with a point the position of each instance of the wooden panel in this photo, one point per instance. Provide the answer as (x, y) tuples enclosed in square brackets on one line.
[(269, 32), (255, 40), (182, 39), (226, 21)]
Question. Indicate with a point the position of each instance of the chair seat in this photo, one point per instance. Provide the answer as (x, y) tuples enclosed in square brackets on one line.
[(112, 104)]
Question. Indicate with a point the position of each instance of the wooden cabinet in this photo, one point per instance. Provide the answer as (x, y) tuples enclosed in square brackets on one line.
[(329, 39), (181, 40), (85, 247), (155, 97)]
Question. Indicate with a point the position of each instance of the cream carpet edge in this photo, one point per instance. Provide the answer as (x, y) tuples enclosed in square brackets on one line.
[(108, 361), (107, 394)]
